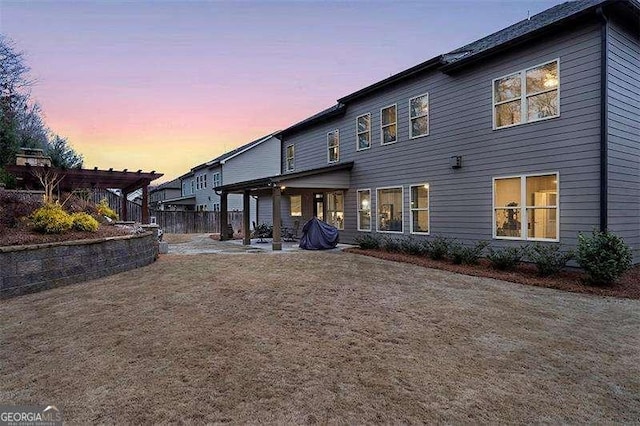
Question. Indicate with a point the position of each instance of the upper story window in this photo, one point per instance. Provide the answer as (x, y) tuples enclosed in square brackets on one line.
[(526, 207), (364, 210), (333, 146), (201, 181), (388, 124), (216, 180), (289, 163), (363, 131), (419, 110), (420, 209), (526, 96)]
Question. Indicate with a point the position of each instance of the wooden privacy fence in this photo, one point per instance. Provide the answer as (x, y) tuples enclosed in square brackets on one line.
[(193, 222), (134, 210)]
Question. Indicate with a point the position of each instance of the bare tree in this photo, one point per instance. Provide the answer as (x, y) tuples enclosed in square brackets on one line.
[(49, 179)]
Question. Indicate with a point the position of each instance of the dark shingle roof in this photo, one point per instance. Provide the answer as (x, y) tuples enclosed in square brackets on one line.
[(172, 184), (524, 27), (337, 109)]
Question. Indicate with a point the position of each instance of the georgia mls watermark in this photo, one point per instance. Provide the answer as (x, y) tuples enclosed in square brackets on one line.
[(30, 415)]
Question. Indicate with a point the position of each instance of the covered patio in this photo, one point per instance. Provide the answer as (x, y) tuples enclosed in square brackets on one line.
[(73, 179), (304, 183)]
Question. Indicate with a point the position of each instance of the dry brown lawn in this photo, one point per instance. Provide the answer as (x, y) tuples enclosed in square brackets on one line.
[(319, 338)]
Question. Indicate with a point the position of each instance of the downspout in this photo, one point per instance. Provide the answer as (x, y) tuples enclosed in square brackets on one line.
[(604, 120)]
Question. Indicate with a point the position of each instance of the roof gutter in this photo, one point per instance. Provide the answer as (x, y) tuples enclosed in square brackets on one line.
[(604, 120)]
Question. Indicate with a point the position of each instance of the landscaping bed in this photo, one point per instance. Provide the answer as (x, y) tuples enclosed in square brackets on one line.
[(24, 235), (628, 286)]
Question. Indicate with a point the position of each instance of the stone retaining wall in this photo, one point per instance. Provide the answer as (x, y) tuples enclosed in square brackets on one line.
[(27, 269)]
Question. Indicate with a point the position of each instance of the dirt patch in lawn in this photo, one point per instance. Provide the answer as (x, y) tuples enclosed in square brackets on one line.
[(628, 286), (319, 338)]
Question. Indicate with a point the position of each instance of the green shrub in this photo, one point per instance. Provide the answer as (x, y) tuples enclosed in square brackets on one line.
[(549, 258), (412, 246), (392, 245), (467, 255), (604, 256), (506, 259), (105, 210), (438, 248), (51, 219), (84, 222), (368, 241)]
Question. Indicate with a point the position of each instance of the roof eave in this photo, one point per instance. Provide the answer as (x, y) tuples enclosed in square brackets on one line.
[(432, 63)]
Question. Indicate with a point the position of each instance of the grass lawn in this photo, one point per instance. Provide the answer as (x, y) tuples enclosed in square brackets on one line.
[(319, 338)]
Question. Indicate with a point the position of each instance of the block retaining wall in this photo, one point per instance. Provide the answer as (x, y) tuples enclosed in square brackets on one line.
[(32, 268)]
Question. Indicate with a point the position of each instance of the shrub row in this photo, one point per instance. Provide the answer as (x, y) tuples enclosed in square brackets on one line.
[(53, 219), (603, 255)]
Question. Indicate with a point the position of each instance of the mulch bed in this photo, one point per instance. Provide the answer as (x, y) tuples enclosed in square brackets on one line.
[(628, 286), (23, 235)]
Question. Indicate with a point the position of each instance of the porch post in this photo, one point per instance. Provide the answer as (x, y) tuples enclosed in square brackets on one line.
[(224, 216), (123, 206), (145, 204), (277, 242), (246, 218)]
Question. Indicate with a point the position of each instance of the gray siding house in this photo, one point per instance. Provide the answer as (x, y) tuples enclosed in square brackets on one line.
[(529, 134)]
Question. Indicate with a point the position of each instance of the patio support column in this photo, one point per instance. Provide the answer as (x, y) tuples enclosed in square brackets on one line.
[(277, 232), (145, 204), (123, 206), (246, 217), (224, 216)]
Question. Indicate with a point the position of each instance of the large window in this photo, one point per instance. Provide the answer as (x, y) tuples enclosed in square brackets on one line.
[(201, 182), (419, 110), (364, 210), (526, 207), (216, 180), (420, 209), (363, 131), (388, 125), (335, 209), (526, 96), (290, 158), (390, 212), (333, 146), (296, 205)]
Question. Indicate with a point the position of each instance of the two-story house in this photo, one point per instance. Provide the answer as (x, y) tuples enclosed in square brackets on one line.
[(254, 159), (529, 134), (161, 193)]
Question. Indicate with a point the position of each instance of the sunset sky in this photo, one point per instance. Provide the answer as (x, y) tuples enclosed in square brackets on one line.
[(167, 85)]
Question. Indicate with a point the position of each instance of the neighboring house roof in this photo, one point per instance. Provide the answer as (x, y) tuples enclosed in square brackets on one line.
[(244, 148), (227, 155), (173, 184)]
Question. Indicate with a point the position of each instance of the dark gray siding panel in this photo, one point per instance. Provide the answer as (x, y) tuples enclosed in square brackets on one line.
[(461, 124), (624, 135)]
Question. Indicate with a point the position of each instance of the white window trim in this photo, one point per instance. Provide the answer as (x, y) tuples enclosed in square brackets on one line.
[(213, 179), (378, 215), (524, 223), (524, 113), (359, 133), (420, 116), (428, 209), (382, 142), (337, 160), (286, 158), (343, 207), (358, 209)]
